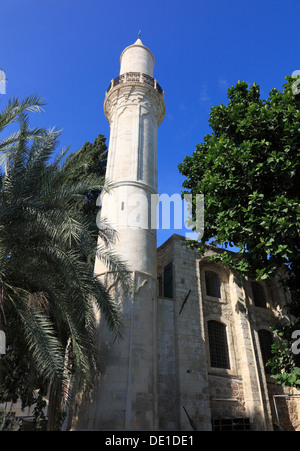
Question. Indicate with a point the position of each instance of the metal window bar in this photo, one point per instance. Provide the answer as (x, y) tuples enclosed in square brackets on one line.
[(275, 405), (231, 424), (213, 284), (218, 346)]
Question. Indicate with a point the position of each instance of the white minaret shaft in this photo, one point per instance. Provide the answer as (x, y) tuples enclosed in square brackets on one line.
[(134, 106)]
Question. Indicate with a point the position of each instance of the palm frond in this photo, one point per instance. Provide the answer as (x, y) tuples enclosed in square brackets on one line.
[(15, 107), (40, 336), (116, 265)]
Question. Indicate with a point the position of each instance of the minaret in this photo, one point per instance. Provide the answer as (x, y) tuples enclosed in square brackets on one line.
[(134, 106)]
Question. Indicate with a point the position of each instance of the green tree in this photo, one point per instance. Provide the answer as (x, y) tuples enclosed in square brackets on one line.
[(248, 169), (90, 159), (48, 295)]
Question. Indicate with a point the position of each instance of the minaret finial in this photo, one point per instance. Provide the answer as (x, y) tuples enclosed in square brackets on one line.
[(139, 35)]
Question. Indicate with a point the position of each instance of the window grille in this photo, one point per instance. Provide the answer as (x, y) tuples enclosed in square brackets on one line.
[(258, 295), (212, 284), (266, 341), (218, 347), (234, 424), (168, 281)]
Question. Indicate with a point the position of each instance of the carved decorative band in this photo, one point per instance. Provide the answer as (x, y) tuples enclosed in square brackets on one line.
[(136, 76)]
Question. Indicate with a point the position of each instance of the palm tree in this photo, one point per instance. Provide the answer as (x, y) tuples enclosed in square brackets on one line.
[(48, 296)]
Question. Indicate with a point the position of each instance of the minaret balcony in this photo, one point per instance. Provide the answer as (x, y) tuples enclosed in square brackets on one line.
[(136, 77)]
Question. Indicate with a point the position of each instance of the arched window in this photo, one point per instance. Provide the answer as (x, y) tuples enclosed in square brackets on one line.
[(212, 284), (258, 292), (266, 341), (218, 347)]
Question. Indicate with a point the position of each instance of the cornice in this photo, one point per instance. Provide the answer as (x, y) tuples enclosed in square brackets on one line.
[(131, 93)]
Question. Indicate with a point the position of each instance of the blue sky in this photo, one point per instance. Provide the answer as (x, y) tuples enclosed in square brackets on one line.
[(67, 51)]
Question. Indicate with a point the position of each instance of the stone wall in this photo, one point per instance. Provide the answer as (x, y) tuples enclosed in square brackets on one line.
[(191, 387), (243, 390)]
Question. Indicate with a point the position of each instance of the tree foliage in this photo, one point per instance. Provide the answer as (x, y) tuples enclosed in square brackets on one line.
[(248, 169), (89, 160)]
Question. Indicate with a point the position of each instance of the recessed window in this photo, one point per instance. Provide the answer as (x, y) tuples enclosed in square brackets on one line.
[(266, 341), (168, 281), (218, 346), (212, 284), (258, 292)]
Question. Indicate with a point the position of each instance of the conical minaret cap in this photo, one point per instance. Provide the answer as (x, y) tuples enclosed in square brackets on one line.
[(137, 58)]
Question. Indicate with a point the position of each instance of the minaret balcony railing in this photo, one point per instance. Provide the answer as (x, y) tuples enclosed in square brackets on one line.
[(136, 76)]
